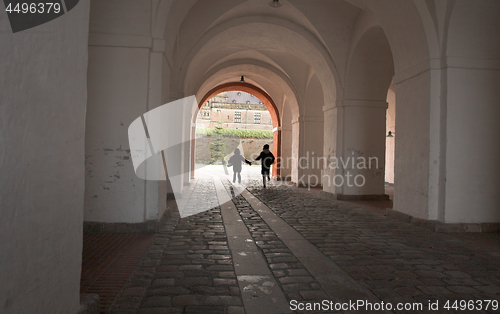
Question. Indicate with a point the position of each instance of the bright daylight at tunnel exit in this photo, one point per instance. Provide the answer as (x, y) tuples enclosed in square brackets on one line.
[(249, 156), (222, 142)]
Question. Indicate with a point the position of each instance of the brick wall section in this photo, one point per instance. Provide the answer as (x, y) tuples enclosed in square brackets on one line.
[(211, 117)]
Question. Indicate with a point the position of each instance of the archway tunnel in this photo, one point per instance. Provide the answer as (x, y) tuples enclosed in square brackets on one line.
[(72, 86), (263, 97)]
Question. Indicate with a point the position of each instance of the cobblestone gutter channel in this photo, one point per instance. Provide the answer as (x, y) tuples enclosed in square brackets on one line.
[(295, 281)]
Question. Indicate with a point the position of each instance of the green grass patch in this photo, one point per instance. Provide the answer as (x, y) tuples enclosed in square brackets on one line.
[(241, 133)]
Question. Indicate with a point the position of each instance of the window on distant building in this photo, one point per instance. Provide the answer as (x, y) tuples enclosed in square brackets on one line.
[(237, 117), (256, 118), (218, 111)]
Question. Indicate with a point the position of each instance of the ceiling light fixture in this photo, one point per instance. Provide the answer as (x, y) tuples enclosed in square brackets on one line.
[(275, 4)]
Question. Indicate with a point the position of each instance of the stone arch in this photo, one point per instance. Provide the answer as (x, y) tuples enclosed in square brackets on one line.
[(402, 24), (472, 80), (270, 31), (410, 39), (412, 30), (259, 93), (364, 105), (370, 68), (257, 69)]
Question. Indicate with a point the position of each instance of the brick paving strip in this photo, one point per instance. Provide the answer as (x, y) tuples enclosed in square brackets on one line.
[(260, 291), (108, 260)]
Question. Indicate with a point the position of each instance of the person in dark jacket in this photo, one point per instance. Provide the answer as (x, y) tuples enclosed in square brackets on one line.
[(267, 160), (236, 161)]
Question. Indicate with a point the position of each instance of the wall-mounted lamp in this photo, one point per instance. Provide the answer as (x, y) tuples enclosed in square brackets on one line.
[(275, 4), (390, 134), (242, 79)]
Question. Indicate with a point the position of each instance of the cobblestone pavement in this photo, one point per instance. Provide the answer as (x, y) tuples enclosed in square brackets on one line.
[(398, 262), (296, 282), (190, 268)]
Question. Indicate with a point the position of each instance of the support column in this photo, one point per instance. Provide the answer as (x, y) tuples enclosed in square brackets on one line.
[(472, 146), (364, 148), (310, 160), (412, 145), (175, 154), (355, 151), (286, 141), (307, 151), (187, 128), (333, 140), (295, 149), (118, 92), (286, 152), (276, 172), (151, 199)]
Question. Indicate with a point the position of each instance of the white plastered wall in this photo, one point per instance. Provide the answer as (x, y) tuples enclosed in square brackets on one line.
[(310, 162), (473, 108), (42, 126), (411, 48), (126, 73), (118, 79), (411, 168), (286, 140), (441, 171), (164, 186), (356, 162), (473, 150)]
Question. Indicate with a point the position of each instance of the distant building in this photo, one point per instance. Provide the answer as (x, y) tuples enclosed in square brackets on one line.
[(235, 110)]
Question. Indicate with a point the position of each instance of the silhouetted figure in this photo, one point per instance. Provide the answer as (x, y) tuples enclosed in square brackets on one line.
[(267, 160), (236, 161)]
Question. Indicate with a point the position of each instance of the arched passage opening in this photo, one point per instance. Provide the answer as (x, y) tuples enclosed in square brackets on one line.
[(390, 141), (266, 100)]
